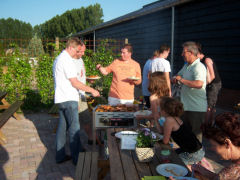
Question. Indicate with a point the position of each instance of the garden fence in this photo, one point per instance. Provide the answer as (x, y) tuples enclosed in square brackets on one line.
[(35, 46)]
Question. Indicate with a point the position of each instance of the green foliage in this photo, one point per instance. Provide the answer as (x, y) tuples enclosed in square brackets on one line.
[(44, 76), (145, 138), (104, 55), (35, 47), (70, 22), (34, 83), (18, 78)]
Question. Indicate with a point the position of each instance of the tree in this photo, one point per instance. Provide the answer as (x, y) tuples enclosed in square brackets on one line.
[(70, 22), (35, 47), (15, 29)]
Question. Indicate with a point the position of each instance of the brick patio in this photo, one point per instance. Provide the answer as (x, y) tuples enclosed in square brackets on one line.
[(29, 152)]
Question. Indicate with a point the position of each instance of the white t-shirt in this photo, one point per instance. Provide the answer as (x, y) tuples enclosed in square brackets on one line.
[(81, 72), (160, 64), (63, 69)]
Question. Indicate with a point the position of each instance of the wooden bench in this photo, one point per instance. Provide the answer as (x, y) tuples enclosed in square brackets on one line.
[(90, 168), (87, 167), (9, 110)]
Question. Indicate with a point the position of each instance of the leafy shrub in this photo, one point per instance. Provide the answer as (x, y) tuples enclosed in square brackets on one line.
[(104, 55), (17, 80), (45, 82)]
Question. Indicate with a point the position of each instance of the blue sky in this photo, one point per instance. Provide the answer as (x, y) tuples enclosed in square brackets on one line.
[(37, 12)]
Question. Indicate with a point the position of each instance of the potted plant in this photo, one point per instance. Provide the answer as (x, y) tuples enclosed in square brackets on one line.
[(145, 145)]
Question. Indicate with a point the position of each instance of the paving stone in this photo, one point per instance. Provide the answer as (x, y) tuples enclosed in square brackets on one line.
[(32, 176)]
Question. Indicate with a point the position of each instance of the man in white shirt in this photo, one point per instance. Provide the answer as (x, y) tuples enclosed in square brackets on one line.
[(162, 65), (84, 114), (67, 97)]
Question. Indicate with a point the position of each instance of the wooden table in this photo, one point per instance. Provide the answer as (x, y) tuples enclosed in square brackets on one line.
[(124, 163)]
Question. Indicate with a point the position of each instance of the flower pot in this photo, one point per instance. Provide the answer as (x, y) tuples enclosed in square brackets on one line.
[(145, 154)]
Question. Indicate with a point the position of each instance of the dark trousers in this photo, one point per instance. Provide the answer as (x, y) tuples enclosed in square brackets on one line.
[(195, 120)]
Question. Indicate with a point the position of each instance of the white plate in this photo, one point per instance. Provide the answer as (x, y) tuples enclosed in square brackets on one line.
[(142, 113), (119, 134), (134, 78), (93, 78), (170, 169)]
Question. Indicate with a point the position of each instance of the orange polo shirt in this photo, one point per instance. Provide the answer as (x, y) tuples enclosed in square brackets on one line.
[(120, 87)]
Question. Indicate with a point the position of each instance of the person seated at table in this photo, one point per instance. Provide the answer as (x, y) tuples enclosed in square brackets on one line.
[(157, 87), (126, 74), (224, 136), (191, 150)]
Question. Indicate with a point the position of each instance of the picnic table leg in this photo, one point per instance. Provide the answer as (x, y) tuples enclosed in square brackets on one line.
[(16, 116), (7, 105), (3, 139), (104, 168)]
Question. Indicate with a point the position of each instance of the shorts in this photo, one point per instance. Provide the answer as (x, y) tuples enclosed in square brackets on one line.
[(115, 101), (212, 93), (192, 158), (84, 114)]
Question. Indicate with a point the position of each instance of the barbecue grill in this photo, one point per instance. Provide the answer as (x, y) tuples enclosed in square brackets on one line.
[(103, 120)]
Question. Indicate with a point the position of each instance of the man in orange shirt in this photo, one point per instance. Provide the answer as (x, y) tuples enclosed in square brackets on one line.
[(126, 74)]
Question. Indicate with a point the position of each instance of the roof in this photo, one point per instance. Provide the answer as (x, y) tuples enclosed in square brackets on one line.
[(147, 9)]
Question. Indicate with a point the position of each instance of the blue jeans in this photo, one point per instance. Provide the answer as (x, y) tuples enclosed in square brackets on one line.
[(68, 121)]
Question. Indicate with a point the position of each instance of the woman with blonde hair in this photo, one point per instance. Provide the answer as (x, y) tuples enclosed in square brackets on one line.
[(157, 87)]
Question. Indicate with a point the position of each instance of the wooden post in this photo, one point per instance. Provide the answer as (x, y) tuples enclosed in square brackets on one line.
[(126, 40), (57, 43), (5, 69)]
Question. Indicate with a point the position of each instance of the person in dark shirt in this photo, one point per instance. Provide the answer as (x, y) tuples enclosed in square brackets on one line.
[(191, 150), (214, 84)]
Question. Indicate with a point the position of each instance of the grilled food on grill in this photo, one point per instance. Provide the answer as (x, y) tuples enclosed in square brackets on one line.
[(119, 108)]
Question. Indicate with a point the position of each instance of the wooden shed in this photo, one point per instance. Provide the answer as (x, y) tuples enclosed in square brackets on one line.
[(215, 24)]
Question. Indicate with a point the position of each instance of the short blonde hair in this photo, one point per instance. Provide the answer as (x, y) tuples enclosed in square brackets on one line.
[(74, 42)]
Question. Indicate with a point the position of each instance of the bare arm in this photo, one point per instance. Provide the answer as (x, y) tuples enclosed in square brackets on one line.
[(210, 70), (102, 69), (193, 84), (155, 114), (168, 82), (78, 85), (167, 130), (203, 172)]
